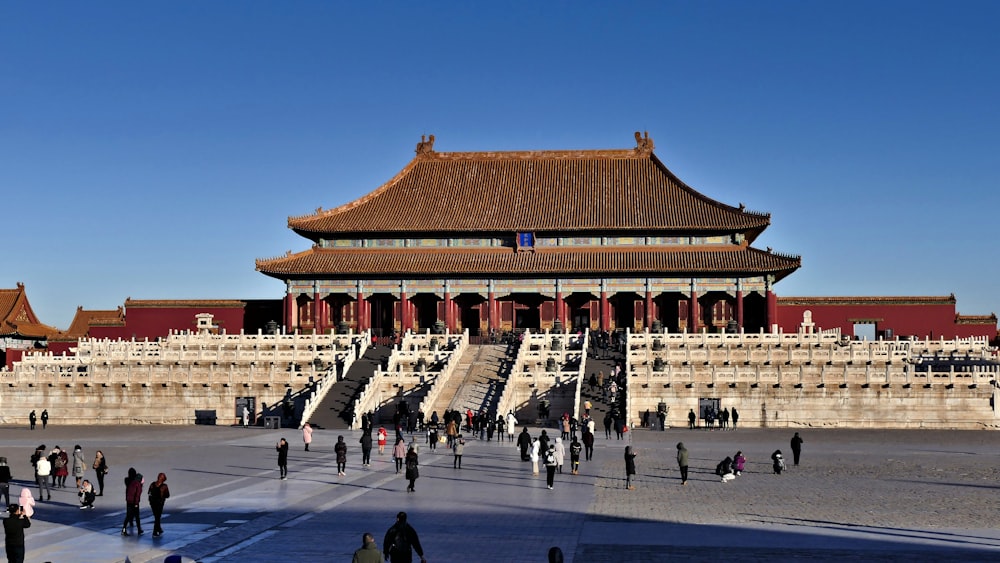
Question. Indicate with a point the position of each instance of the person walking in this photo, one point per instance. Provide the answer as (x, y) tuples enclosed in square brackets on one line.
[(79, 464), (341, 450), (133, 495), (307, 435), (13, 528), (32, 419), (412, 469), (5, 477), (560, 455), (245, 416), (382, 436), (458, 447), (735, 416), (535, 446), (282, 449), (368, 552), (43, 469), (692, 418), (366, 448), (401, 541), (629, 467), (158, 494), (62, 466), (100, 466), (575, 447), (511, 425), (588, 444), (682, 462), (45, 418), (796, 448), (524, 443), (550, 466), (399, 453)]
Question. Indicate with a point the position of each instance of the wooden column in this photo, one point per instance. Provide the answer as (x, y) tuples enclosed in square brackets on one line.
[(448, 313), (317, 313), (491, 308), (649, 307), (693, 311), (404, 311), (605, 310), (289, 312)]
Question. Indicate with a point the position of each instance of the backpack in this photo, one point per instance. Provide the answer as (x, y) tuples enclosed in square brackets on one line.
[(60, 462), (399, 542), (550, 457)]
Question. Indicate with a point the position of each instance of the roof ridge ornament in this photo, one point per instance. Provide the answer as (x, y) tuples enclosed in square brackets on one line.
[(425, 146), (643, 145)]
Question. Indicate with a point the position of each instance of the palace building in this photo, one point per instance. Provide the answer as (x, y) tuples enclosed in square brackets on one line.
[(498, 241)]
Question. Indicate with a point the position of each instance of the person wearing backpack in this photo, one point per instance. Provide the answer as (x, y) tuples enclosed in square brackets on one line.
[(550, 465), (401, 541), (158, 495)]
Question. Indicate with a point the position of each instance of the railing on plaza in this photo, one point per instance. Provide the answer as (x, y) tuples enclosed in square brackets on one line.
[(422, 361), (806, 358), (193, 358)]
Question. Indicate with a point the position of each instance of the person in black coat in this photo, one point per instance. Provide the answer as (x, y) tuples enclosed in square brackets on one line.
[(13, 528), (796, 448), (588, 444), (524, 442), (401, 540), (282, 449), (629, 467), (366, 448)]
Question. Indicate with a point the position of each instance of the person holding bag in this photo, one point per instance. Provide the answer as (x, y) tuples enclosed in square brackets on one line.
[(101, 469)]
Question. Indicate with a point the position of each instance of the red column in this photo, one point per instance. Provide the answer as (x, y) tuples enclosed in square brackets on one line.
[(491, 310), (772, 309), (560, 304), (649, 309), (289, 312), (605, 325), (739, 308), (404, 312), (693, 311), (317, 313), (362, 312), (447, 311)]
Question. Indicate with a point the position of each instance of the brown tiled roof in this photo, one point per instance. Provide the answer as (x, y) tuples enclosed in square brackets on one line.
[(333, 262), (83, 320), (976, 319), (17, 318), (532, 191), (868, 300)]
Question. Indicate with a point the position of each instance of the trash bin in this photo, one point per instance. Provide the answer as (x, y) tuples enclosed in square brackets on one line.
[(272, 422)]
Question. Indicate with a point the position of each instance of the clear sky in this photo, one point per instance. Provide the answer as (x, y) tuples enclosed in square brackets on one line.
[(153, 150)]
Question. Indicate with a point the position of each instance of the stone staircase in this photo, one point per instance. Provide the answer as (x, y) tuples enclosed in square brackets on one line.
[(335, 411), (477, 380)]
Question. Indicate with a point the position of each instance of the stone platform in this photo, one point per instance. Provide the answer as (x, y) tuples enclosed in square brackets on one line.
[(858, 495)]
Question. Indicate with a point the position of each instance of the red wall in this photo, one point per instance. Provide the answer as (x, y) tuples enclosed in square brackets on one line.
[(150, 322), (923, 320)]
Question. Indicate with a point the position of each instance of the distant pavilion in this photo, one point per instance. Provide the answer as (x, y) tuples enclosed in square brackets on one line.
[(499, 241)]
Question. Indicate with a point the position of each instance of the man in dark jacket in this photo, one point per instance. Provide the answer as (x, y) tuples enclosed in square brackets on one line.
[(524, 442), (13, 528), (368, 552), (133, 495), (401, 541), (796, 447)]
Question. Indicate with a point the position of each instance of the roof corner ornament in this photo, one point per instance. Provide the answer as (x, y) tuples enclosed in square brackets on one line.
[(643, 145), (425, 146), (288, 253)]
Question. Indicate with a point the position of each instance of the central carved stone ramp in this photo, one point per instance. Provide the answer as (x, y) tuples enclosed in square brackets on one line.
[(476, 381), (336, 409)]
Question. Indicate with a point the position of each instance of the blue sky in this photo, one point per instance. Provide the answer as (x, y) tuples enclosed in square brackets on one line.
[(153, 150)]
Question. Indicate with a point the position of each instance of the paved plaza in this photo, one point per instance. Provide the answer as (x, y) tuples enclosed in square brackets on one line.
[(857, 495)]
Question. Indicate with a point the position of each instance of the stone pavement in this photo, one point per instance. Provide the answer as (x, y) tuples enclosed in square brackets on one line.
[(858, 495)]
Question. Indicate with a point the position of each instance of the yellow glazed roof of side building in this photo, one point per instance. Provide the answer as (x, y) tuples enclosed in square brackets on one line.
[(623, 190)]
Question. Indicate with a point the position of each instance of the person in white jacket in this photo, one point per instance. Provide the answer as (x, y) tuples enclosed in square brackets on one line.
[(534, 456), (511, 426)]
